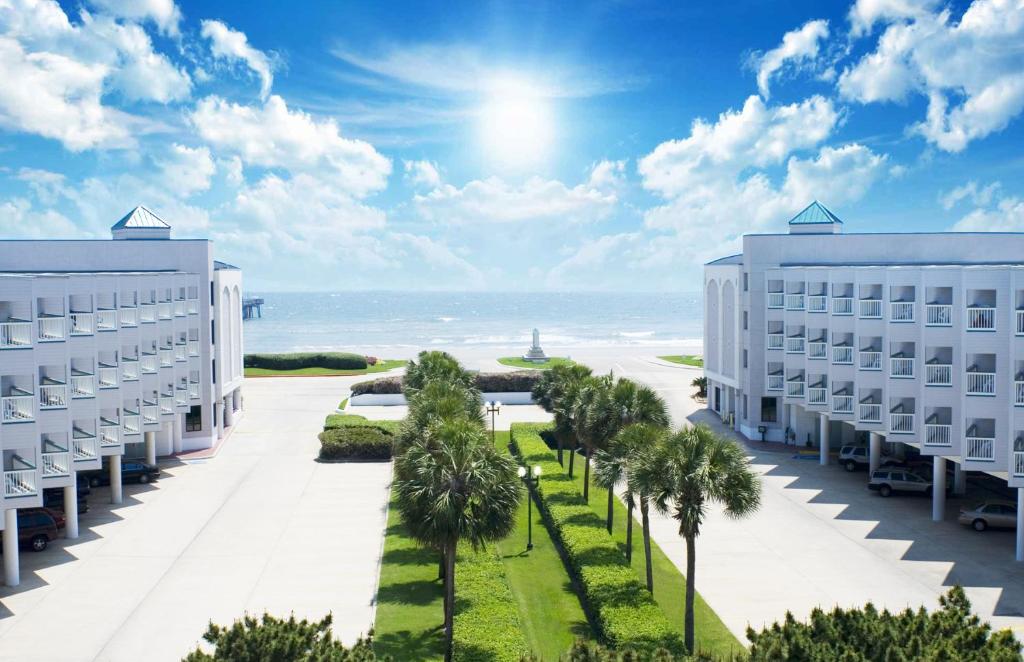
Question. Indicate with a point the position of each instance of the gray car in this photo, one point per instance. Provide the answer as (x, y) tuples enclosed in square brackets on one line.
[(889, 481), (996, 514)]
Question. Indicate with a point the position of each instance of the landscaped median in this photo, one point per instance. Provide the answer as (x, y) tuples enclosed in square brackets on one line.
[(316, 364)]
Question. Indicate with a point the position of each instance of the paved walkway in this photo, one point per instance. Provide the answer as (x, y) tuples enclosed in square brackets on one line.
[(259, 527)]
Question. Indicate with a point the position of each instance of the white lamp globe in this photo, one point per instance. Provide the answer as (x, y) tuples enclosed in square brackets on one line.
[(521, 471)]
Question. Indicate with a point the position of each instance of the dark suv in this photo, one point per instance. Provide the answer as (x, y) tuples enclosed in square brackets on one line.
[(132, 471), (36, 529)]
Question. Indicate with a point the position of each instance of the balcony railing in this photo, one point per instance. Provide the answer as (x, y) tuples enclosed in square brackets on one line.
[(55, 464), (20, 483), (82, 324), (166, 405), (83, 386), (795, 345), (938, 314), (1018, 394), (870, 360), (842, 305), (106, 320), (181, 396), (164, 310), (1018, 463), (192, 307), (775, 341), (776, 300), (901, 311), (871, 309), (110, 436), (938, 434), (85, 448), (842, 355), (150, 414), (51, 329), (794, 302), (980, 449), (15, 334), (776, 382), (817, 350), (842, 404), (181, 352), (901, 423), (193, 389), (148, 364), (130, 424), (870, 413), (817, 396), (53, 396), (795, 389), (147, 313), (981, 319), (981, 383), (17, 408), (130, 370), (166, 358), (938, 374), (1020, 322), (193, 348), (901, 368), (107, 377), (817, 303), (129, 317), (179, 308)]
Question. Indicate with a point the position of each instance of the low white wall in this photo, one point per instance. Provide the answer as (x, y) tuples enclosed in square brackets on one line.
[(373, 400)]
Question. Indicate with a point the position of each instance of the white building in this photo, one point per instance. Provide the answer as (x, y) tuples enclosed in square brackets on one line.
[(813, 336), (110, 348)]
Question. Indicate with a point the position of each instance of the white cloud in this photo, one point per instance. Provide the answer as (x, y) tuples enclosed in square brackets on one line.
[(1006, 215), (865, 13), (273, 136), (439, 257), (187, 170), (137, 70), (980, 196), (797, 46), (233, 45), (586, 265), (422, 173), (164, 13), (20, 220), (607, 174)]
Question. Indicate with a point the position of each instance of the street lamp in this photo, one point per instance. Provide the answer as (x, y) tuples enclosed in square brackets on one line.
[(531, 482), (493, 408)]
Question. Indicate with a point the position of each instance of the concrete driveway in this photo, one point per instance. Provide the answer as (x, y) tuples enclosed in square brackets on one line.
[(261, 526)]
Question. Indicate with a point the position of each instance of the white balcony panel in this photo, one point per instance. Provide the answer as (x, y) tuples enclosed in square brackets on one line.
[(131, 424), (842, 306), (776, 341), (870, 360), (54, 465), (795, 345), (980, 449), (870, 309), (900, 423), (937, 314), (817, 396), (1018, 463), (901, 368), (84, 448), (20, 483), (776, 300), (981, 319), (109, 436), (842, 404), (817, 304), (795, 389), (937, 374), (18, 408), (106, 320), (51, 329), (871, 413), (129, 317), (82, 324), (83, 386), (981, 383), (53, 396), (938, 434), (817, 350), (901, 311), (15, 334), (794, 302)]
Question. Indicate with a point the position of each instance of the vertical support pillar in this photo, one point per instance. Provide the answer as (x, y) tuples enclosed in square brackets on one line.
[(217, 419), (823, 435), (71, 509), (874, 452), (12, 573), (177, 425), (229, 414), (116, 495), (150, 447), (959, 479), (787, 423), (938, 488), (1020, 523), (236, 397)]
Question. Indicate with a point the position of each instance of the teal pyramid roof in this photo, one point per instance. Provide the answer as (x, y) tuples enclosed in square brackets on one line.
[(140, 217), (814, 213)]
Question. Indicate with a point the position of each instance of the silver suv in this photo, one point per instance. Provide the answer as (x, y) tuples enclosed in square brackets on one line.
[(853, 457), (888, 481)]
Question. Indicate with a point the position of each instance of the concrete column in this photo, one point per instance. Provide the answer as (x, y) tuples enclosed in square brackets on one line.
[(959, 479), (236, 397), (177, 426), (71, 509), (217, 427), (12, 574), (874, 452), (150, 438), (938, 488), (229, 415), (823, 434), (115, 479), (787, 422), (1020, 523)]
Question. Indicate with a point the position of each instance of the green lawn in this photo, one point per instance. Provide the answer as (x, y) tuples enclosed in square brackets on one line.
[(684, 359), (381, 366), (518, 362)]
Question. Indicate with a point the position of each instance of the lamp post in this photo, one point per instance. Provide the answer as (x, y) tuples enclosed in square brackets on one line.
[(493, 408), (531, 481)]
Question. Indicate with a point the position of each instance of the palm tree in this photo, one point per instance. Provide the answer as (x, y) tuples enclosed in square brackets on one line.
[(551, 388), (687, 472), (701, 383), (437, 400), (435, 365), (591, 422), (456, 487)]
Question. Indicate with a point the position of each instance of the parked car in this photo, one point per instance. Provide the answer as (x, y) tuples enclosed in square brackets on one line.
[(132, 471), (58, 516), (995, 514), (854, 457), (36, 529), (53, 497), (888, 481)]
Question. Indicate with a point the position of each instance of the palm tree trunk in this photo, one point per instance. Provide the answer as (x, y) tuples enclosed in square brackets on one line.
[(449, 600), (611, 512), (558, 438), (690, 568), (586, 474), (440, 565), (629, 532), (572, 457), (646, 523)]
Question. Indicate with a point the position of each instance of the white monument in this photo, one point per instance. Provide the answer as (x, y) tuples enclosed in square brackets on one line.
[(535, 353)]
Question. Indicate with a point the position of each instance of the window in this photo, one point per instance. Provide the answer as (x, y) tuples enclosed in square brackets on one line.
[(744, 358), (211, 292), (746, 281), (213, 334), (744, 406), (769, 410), (214, 370), (744, 320), (194, 419)]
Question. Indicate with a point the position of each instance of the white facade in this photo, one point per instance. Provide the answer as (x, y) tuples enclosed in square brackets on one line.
[(131, 346)]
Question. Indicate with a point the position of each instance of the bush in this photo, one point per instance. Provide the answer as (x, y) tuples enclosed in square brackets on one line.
[(520, 381), (296, 361), (487, 623), (351, 442), (591, 651), (379, 386), (354, 420), (625, 613)]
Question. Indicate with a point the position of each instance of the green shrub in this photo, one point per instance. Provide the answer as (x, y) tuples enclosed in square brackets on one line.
[(350, 442), (520, 381), (625, 613), (298, 360), (591, 651), (354, 420), (379, 386), (487, 626)]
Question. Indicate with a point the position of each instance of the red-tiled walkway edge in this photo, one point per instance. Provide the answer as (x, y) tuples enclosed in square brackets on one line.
[(206, 453)]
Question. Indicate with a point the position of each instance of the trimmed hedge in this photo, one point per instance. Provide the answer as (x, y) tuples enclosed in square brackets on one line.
[(354, 420), (299, 360), (351, 442), (487, 626), (519, 381), (619, 605), (379, 386)]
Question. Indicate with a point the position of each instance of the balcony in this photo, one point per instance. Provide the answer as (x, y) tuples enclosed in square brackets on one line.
[(110, 435), (842, 404), (82, 324), (901, 368), (164, 310), (817, 395), (53, 396), (181, 396), (795, 389), (870, 360), (131, 424), (775, 341), (1020, 322), (938, 374), (148, 364), (15, 334), (84, 448), (776, 300), (981, 319), (794, 302), (192, 307), (981, 383), (167, 405), (938, 434), (150, 414), (871, 309), (795, 345), (817, 350), (193, 389), (20, 483), (129, 318), (181, 352), (901, 311), (55, 465), (1018, 393), (193, 348), (775, 382), (106, 320), (51, 329), (901, 423), (107, 377), (83, 386), (130, 370), (870, 413), (817, 303), (147, 314), (1018, 463), (166, 358), (842, 305), (17, 408), (938, 314), (179, 308), (842, 355), (980, 449)]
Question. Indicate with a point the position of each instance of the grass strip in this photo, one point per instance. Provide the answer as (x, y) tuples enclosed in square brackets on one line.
[(684, 359), (517, 362), (315, 371)]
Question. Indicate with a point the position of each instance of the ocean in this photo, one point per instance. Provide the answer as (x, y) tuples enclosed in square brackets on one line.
[(406, 322)]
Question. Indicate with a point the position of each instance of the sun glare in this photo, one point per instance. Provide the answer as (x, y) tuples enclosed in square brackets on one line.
[(516, 124)]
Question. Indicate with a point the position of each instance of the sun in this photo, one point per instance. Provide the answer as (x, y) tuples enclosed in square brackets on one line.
[(516, 125)]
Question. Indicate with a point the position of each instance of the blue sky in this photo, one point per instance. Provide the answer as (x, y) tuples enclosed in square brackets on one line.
[(506, 146)]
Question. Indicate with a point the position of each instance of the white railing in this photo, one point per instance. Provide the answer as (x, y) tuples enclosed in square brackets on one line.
[(842, 305), (817, 350), (15, 334), (817, 303), (130, 370), (192, 307), (53, 396), (775, 341), (871, 413), (795, 389), (83, 386), (817, 396), (1018, 394), (776, 382), (870, 360), (130, 424), (55, 464), (871, 308), (148, 363), (164, 310), (81, 324), (938, 374), (17, 408), (938, 434), (166, 358), (20, 483), (901, 311), (776, 300), (902, 368), (129, 317), (901, 423), (981, 319), (179, 308), (795, 345), (794, 302), (938, 314), (85, 448), (842, 355), (166, 404), (981, 383), (193, 348), (1020, 322), (1018, 463), (193, 389), (109, 436), (107, 377), (147, 313), (150, 414), (106, 320), (181, 352), (980, 448), (181, 397), (842, 404), (51, 328)]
